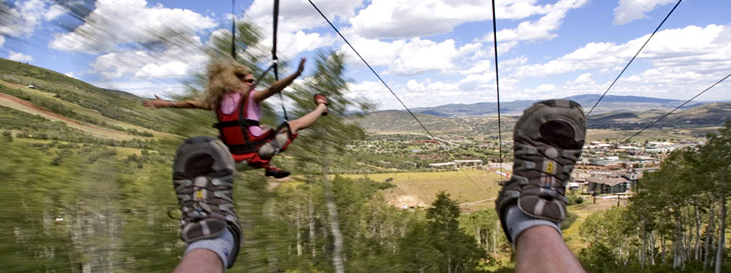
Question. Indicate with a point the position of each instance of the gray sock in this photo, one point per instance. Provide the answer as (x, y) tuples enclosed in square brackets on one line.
[(517, 222), (221, 245)]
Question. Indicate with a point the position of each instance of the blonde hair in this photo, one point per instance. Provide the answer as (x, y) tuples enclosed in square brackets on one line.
[(224, 76)]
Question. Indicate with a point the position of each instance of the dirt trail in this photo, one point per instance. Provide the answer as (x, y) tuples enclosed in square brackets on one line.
[(28, 107)]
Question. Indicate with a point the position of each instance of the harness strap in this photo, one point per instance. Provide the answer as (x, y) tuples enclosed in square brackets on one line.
[(241, 149), (244, 129), (289, 130), (233, 123)]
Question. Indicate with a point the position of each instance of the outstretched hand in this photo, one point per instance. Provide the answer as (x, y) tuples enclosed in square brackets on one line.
[(301, 66), (156, 103)]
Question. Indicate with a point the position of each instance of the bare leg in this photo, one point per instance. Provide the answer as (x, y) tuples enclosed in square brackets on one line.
[(542, 249), (308, 119), (199, 261)]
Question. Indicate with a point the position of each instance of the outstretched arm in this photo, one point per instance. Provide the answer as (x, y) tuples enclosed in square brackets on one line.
[(160, 103), (279, 85)]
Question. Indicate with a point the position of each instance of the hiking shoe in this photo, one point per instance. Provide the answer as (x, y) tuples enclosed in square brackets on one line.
[(320, 99), (203, 179), (548, 139), (275, 172)]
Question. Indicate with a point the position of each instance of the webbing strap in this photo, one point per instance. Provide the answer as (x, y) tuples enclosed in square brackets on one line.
[(231, 123), (242, 108), (275, 60), (233, 30)]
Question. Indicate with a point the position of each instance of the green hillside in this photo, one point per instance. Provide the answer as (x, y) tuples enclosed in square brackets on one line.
[(86, 109)]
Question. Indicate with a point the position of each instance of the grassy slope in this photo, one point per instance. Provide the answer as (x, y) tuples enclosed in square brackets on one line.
[(474, 189), (81, 101)]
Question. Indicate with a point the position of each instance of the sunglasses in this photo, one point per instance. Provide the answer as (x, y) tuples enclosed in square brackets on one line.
[(242, 76)]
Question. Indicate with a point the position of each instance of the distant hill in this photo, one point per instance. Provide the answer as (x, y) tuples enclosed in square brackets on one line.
[(481, 109), (608, 104), (705, 114), (393, 121)]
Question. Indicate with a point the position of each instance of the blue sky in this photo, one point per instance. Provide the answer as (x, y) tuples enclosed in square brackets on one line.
[(430, 52)]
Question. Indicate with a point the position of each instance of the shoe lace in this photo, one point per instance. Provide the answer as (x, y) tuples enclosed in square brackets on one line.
[(191, 204)]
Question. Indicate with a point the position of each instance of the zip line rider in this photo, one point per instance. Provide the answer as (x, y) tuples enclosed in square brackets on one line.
[(230, 93)]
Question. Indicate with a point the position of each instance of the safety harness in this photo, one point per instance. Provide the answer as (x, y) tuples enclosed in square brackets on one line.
[(234, 129)]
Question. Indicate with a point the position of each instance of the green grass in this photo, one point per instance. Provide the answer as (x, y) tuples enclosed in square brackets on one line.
[(475, 188)]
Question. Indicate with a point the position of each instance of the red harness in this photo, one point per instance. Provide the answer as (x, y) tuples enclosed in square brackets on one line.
[(234, 129), (234, 132)]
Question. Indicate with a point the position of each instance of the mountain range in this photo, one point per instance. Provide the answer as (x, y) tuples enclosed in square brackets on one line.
[(609, 103), (613, 112)]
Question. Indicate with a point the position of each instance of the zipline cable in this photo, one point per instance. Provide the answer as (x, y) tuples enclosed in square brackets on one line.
[(633, 57), (497, 88), (676, 108), (233, 30), (382, 81)]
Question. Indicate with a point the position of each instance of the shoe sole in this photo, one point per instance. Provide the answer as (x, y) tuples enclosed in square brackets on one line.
[(203, 172)]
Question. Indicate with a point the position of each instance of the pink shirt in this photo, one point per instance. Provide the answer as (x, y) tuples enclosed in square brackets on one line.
[(253, 111)]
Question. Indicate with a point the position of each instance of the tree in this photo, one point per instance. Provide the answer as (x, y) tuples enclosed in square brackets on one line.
[(458, 251), (716, 156)]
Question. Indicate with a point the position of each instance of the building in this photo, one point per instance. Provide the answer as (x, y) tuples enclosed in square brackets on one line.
[(475, 163), (607, 184), (447, 165)]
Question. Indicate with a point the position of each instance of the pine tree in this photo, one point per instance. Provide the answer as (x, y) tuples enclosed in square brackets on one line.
[(458, 251)]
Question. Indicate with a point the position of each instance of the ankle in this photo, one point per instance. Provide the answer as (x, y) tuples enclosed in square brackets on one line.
[(517, 222)]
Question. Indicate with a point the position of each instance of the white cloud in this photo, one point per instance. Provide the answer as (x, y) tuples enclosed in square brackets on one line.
[(426, 92), (2, 40), (291, 44), (405, 19), (582, 79), (630, 10), (423, 55), (149, 65), (53, 12), (513, 62), (413, 94), (542, 29), (19, 57), (298, 15), (700, 49), (70, 75), (675, 83), (297, 19), (377, 53), (409, 57), (116, 22), (481, 66), (172, 69), (373, 91), (24, 17), (534, 30)]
